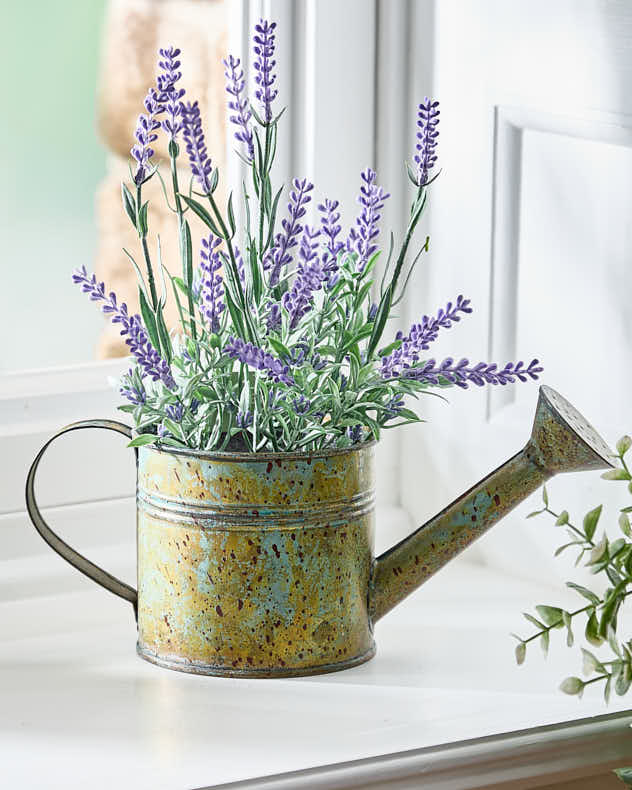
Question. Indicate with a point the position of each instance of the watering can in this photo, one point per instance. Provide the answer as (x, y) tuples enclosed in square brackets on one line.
[(262, 564)]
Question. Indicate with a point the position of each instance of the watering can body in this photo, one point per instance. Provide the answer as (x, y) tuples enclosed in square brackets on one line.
[(262, 565)]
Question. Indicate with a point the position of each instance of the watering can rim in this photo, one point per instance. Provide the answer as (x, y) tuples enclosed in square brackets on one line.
[(251, 457), (565, 412)]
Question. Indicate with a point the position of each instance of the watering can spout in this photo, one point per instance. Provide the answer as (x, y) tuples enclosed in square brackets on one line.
[(561, 441)]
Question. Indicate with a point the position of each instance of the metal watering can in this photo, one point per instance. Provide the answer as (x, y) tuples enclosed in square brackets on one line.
[(261, 565)]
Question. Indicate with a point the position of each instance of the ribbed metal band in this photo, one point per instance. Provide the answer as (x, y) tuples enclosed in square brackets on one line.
[(245, 516)]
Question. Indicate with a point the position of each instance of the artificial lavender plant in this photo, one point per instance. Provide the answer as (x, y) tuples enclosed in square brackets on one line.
[(280, 344)]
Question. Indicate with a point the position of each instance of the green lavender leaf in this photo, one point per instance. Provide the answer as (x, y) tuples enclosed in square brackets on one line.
[(143, 439), (129, 204), (149, 320)]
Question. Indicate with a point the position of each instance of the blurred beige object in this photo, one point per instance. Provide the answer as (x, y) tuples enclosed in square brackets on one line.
[(133, 32)]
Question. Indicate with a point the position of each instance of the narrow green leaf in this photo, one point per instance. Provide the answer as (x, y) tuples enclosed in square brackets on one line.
[(562, 519), (278, 346), (381, 317), (203, 214), (590, 596), (590, 521), (533, 620), (616, 474), (129, 204), (231, 215), (142, 219), (544, 642), (521, 652), (165, 340), (590, 663), (545, 496), (624, 680), (624, 444), (149, 320), (624, 525), (143, 439)]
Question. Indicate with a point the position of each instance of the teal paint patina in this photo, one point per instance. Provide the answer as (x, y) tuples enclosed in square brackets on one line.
[(263, 565)]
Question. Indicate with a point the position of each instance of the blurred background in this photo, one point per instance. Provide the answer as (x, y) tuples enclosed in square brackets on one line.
[(75, 94)]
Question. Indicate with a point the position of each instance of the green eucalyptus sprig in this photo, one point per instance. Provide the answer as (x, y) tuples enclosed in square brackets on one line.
[(600, 612)]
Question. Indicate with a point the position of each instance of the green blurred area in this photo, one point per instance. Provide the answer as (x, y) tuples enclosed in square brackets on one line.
[(52, 161)]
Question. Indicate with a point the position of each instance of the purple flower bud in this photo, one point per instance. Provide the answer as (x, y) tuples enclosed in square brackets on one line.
[(244, 419), (372, 312), (132, 329), (362, 237), (145, 135), (462, 373), (309, 278), (301, 405), (354, 433), (420, 336), (393, 407), (199, 161), (331, 229), (427, 134), (279, 256), (135, 394), (175, 411), (211, 283), (263, 65), (170, 96), (273, 318), (238, 104), (257, 358)]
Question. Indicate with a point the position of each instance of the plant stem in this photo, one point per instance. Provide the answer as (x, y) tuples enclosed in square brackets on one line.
[(143, 238), (173, 153)]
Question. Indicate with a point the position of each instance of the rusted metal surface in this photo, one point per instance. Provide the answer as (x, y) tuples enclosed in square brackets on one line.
[(561, 441), (255, 565), (262, 565)]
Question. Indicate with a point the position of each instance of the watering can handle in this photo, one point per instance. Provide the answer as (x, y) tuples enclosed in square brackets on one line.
[(80, 562)]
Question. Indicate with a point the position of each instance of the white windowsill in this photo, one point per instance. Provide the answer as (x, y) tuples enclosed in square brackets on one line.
[(79, 707)]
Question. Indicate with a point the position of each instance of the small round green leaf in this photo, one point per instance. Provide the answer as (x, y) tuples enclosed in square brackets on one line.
[(572, 685)]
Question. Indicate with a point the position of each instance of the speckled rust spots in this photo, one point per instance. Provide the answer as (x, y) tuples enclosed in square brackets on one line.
[(249, 561)]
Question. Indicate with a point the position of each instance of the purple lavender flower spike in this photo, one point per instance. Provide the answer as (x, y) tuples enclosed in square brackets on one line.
[(264, 63), (238, 104), (149, 359), (309, 278), (175, 411), (427, 134), (462, 373), (362, 238), (199, 161), (169, 94), (331, 230), (279, 256), (420, 336), (257, 358), (211, 283), (146, 134), (273, 318)]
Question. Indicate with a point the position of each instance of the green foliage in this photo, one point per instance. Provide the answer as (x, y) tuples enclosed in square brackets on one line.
[(338, 397), (599, 612)]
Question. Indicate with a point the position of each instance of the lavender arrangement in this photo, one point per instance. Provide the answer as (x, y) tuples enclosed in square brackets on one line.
[(281, 339)]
